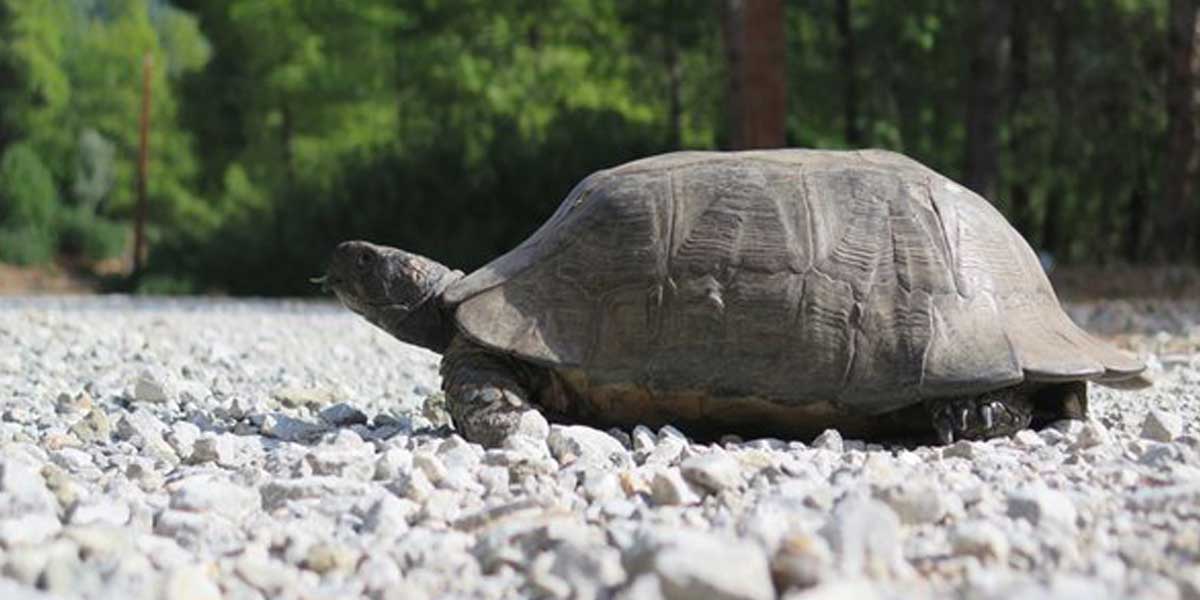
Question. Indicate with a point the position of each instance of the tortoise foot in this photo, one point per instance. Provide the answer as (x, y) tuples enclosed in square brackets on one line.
[(992, 414), (489, 415)]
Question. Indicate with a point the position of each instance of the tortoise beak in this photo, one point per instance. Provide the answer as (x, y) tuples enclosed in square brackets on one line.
[(322, 281)]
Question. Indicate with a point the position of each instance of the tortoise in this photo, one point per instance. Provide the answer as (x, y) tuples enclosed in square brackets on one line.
[(777, 292)]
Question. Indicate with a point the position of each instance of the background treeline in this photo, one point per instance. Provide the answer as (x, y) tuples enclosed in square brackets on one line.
[(454, 127)]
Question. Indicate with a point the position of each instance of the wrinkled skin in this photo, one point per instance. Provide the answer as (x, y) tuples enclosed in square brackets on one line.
[(398, 291), (487, 393)]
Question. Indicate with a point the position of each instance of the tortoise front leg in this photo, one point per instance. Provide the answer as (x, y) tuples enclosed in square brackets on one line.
[(988, 415), (1007, 410), (488, 395)]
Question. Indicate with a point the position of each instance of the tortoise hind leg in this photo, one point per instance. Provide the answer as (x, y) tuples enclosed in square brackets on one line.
[(487, 395), (991, 414)]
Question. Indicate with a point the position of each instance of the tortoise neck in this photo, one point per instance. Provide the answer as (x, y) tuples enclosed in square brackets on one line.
[(429, 324)]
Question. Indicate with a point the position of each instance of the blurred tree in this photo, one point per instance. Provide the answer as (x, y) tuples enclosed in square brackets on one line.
[(1062, 78), (756, 55), (848, 63), (988, 49), (34, 87), (1176, 231), (1019, 131)]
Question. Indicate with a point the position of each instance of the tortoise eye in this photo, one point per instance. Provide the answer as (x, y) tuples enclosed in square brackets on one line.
[(364, 259)]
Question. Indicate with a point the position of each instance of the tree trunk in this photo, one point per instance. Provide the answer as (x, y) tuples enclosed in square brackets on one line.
[(1019, 134), (849, 63), (674, 79), (1053, 220), (756, 57), (1175, 217), (988, 50), (286, 133), (1136, 221)]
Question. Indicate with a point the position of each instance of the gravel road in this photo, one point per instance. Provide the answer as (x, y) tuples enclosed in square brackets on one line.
[(194, 449)]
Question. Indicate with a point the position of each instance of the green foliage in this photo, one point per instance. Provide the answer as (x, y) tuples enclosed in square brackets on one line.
[(165, 285), (26, 245), (28, 197), (81, 233)]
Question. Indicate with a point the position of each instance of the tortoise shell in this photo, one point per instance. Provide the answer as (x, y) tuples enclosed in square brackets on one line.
[(862, 279)]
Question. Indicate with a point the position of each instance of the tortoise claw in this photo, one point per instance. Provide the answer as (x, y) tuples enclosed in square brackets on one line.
[(945, 429), (987, 416), (964, 418)]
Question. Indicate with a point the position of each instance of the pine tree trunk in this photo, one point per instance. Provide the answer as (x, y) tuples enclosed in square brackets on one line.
[(1178, 208), (988, 49), (756, 57)]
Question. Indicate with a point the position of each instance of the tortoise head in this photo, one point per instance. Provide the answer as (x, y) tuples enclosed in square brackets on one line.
[(398, 291)]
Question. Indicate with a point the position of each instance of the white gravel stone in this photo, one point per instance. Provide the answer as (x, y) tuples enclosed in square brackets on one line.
[(28, 530), (1162, 426), (918, 502), (22, 488), (570, 443), (346, 456), (1042, 506), (980, 539), (802, 560), (153, 385), (393, 463), (290, 429), (182, 437), (668, 487), (716, 471), (101, 511), (144, 430), (962, 449), (692, 564), (432, 466), (191, 583), (830, 440), (666, 451), (858, 589), (342, 414), (642, 439), (224, 449), (866, 537), (214, 494), (287, 490), (389, 515), (277, 493)]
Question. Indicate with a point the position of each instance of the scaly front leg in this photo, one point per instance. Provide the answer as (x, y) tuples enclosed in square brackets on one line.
[(488, 395)]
